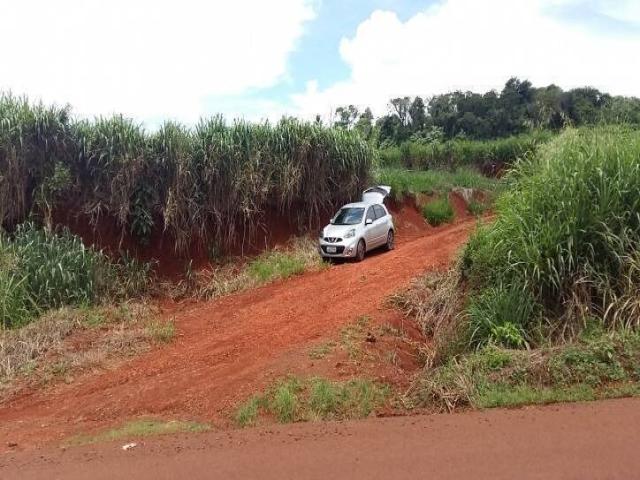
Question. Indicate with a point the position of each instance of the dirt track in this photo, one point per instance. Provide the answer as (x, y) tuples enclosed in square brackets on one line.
[(579, 441), (226, 349)]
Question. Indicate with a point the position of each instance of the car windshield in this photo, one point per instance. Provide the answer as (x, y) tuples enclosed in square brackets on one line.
[(348, 216)]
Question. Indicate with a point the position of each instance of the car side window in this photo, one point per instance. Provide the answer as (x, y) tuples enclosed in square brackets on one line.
[(380, 211), (371, 214)]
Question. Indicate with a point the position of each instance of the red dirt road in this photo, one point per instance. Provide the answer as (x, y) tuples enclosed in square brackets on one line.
[(226, 348), (596, 440)]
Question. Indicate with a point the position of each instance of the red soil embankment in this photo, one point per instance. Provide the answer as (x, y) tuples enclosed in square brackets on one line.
[(228, 349)]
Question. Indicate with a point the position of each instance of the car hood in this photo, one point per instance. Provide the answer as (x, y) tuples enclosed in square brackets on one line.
[(338, 231)]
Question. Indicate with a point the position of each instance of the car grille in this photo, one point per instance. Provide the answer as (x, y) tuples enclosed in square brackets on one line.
[(339, 250), (332, 239)]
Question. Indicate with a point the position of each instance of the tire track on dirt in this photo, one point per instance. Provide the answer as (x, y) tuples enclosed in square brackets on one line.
[(224, 347)]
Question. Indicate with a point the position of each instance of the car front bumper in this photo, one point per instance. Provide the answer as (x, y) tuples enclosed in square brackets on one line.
[(342, 249)]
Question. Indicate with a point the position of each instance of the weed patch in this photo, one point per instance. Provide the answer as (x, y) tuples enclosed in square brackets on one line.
[(140, 429), (599, 365), (438, 211), (298, 400)]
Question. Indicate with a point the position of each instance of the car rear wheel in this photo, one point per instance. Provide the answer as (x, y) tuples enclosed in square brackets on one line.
[(360, 251), (391, 241)]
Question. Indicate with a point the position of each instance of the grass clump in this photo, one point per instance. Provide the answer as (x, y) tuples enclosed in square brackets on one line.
[(140, 429), (314, 399), (298, 256), (275, 265), (161, 331), (595, 365), (438, 211), (43, 270), (38, 350)]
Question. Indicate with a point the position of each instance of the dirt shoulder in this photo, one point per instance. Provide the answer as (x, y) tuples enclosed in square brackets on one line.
[(226, 350), (586, 441)]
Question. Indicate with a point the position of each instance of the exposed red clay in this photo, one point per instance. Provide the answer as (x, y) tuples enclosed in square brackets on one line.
[(227, 349)]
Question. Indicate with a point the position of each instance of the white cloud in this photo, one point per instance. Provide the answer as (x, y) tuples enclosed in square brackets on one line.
[(145, 58), (477, 45)]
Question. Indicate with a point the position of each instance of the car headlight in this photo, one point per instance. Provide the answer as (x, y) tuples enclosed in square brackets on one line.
[(351, 233)]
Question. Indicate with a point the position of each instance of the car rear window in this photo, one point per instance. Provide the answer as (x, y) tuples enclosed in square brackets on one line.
[(380, 211)]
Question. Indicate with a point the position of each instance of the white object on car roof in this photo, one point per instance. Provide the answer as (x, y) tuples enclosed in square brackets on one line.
[(376, 194)]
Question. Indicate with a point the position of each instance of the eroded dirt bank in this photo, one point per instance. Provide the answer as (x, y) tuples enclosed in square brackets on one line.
[(596, 440), (228, 349)]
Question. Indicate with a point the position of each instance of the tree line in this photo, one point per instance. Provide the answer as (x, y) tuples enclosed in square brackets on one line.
[(518, 108)]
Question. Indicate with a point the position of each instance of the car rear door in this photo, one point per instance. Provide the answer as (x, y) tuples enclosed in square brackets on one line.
[(370, 236), (380, 225)]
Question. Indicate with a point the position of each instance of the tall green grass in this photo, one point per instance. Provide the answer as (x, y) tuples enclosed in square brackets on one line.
[(567, 235), (42, 270), (213, 184), (405, 182), (485, 154)]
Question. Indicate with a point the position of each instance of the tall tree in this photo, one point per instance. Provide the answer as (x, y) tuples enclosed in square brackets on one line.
[(346, 116)]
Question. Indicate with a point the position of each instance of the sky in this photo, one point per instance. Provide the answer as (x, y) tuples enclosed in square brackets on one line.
[(157, 60)]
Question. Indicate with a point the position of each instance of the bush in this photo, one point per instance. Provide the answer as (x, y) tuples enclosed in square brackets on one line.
[(438, 211), (568, 231)]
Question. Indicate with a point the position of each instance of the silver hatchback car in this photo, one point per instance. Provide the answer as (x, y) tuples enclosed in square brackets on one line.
[(359, 227)]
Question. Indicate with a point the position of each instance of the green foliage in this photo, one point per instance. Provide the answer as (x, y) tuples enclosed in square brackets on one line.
[(58, 268), (295, 400), (476, 208), (16, 305), (406, 182), (596, 365), (518, 108), (42, 270), (488, 155), (211, 185), (275, 265), (568, 231), (500, 315), (438, 211)]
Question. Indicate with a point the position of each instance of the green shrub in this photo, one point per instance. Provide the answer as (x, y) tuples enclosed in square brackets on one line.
[(275, 265), (476, 208), (438, 211)]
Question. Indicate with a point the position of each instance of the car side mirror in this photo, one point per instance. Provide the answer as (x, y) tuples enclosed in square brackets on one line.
[(368, 221)]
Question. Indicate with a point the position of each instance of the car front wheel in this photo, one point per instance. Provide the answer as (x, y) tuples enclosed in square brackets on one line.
[(360, 251)]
